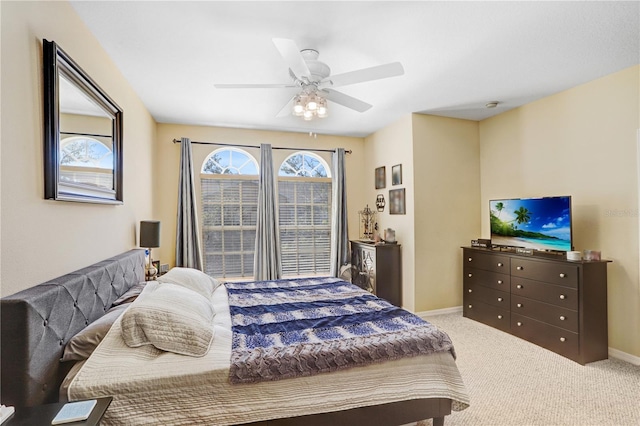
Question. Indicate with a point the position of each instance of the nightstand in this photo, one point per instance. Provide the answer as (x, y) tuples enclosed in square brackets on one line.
[(41, 415)]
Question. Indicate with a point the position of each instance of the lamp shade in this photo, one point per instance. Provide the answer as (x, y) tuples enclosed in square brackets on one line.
[(150, 233)]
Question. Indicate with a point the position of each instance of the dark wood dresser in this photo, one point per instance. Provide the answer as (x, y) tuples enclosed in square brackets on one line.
[(558, 304), (378, 269)]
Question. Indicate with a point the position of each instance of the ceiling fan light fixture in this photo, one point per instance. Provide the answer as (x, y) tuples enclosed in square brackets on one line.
[(322, 108), (298, 107), (309, 104)]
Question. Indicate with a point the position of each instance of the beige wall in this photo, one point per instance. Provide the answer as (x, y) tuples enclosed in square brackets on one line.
[(42, 239), (387, 147), (583, 143), (441, 177), (168, 162), (447, 197)]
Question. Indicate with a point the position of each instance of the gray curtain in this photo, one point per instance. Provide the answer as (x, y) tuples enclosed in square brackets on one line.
[(188, 252), (339, 229), (267, 263)]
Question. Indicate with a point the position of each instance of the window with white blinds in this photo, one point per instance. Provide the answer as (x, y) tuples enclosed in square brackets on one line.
[(304, 189), (229, 186)]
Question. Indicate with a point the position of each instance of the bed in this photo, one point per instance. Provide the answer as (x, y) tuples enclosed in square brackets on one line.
[(394, 392)]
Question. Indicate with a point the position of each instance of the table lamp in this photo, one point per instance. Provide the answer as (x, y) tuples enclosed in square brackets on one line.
[(150, 238)]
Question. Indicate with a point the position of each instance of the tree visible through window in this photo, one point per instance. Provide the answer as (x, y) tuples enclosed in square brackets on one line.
[(229, 182), (86, 160), (304, 188)]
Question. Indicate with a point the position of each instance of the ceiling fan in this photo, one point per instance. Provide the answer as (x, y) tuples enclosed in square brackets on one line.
[(316, 83)]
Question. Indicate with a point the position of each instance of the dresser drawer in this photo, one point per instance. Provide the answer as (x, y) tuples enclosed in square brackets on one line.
[(555, 273), (487, 314), (491, 296), (551, 314), (487, 262), (487, 278), (549, 293), (558, 340)]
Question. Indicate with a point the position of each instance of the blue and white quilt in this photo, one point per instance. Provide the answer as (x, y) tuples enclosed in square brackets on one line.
[(305, 326)]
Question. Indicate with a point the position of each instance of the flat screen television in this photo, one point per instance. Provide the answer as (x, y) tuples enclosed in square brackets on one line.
[(536, 223)]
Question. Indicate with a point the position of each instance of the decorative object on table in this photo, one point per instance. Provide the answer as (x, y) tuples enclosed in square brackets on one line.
[(380, 203), (150, 238), (390, 235), (574, 255), (396, 201), (366, 223), (381, 177), (396, 174), (592, 255)]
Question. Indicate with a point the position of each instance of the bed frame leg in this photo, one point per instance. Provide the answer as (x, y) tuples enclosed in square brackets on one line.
[(438, 421)]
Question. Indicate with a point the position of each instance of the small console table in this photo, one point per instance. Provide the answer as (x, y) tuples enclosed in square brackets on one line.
[(555, 303)]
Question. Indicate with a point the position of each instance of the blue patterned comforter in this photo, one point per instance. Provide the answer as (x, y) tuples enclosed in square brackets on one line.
[(299, 327)]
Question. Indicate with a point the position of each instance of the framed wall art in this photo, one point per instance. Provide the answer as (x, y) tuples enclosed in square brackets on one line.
[(396, 174), (396, 201), (381, 177)]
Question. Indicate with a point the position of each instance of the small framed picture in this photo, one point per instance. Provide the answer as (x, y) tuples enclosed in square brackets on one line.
[(396, 201), (381, 177), (156, 264), (396, 174)]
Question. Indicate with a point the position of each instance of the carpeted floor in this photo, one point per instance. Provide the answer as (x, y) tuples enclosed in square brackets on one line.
[(513, 382)]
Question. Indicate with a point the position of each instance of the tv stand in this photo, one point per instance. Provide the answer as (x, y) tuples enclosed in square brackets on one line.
[(555, 303)]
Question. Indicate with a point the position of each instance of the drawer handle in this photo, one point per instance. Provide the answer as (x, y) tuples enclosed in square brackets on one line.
[(562, 339), (470, 291), (519, 305), (470, 306), (499, 299), (562, 275), (519, 268), (562, 296), (499, 263), (519, 324), (562, 318), (499, 316), (470, 275), (519, 286), (499, 281), (470, 259)]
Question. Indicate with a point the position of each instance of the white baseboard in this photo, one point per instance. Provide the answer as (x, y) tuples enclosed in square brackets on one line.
[(453, 310), (623, 356)]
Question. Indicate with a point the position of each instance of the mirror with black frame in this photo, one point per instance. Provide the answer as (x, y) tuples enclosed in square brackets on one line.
[(82, 134)]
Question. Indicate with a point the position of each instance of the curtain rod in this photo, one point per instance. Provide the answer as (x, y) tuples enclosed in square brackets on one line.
[(347, 151)]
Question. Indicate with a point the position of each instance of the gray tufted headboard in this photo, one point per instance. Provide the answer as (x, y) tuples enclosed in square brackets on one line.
[(37, 322)]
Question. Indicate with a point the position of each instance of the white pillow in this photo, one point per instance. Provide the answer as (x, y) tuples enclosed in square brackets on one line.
[(192, 279), (171, 318)]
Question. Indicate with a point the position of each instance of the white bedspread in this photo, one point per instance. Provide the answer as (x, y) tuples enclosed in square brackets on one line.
[(149, 386)]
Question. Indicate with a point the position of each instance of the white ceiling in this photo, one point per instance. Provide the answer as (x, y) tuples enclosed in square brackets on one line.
[(457, 56)]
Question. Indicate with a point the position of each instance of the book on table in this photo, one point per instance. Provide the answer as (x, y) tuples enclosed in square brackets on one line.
[(74, 412)]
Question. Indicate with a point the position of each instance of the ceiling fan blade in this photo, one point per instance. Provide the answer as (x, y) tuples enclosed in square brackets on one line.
[(255, 86), (292, 56), (286, 110), (346, 100), (366, 74)]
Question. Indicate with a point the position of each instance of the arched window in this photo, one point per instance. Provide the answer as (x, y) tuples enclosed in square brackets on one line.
[(230, 161), (305, 164), (87, 161), (229, 186), (304, 188)]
